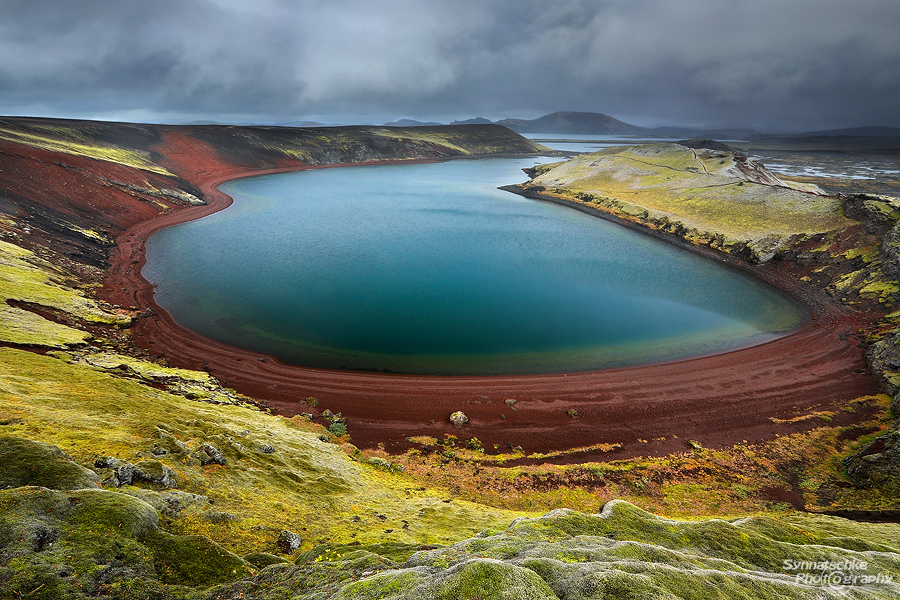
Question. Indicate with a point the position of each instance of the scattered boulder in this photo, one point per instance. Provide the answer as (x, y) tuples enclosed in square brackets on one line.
[(167, 444), (208, 455), (458, 419), (288, 541), (153, 471), (26, 462), (119, 472), (267, 449)]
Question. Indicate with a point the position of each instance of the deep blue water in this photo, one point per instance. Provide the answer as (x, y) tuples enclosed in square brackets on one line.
[(430, 269)]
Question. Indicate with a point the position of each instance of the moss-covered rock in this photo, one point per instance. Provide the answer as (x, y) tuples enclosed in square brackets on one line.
[(72, 544), (194, 560), (26, 462), (156, 473), (264, 559), (884, 360), (395, 551)]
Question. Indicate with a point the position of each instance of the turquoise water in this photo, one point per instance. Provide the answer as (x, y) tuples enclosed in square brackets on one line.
[(430, 269)]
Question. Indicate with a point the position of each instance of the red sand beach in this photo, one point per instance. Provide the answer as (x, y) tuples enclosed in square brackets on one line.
[(650, 410)]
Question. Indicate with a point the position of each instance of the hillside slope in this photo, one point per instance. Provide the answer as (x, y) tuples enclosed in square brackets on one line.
[(123, 477)]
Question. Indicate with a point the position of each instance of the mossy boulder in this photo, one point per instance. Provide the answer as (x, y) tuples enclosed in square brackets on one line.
[(26, 462), (155, 473), (72, 544), (476, 579), (194, 560), (394, 551), (264, 559)]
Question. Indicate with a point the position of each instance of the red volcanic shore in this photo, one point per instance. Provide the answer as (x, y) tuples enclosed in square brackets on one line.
[(650, 410)]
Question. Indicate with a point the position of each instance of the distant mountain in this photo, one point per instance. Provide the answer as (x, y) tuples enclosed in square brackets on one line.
[(411, 123), (475, 121), (870, 131), (574, 122)]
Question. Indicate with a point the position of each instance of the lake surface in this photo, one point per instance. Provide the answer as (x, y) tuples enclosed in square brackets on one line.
[(430, 269)]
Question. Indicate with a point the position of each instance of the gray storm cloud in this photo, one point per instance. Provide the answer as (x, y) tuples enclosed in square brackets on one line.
[(772, 65)]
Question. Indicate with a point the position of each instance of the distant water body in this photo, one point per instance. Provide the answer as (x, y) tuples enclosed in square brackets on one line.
[(429, 269)]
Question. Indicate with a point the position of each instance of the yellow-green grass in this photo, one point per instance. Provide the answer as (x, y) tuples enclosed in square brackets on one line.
[(305, 485), (700, 189), (70, 141), (24, 277)]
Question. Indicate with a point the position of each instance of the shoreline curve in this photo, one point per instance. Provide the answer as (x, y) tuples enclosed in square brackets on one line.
[(716, 400)]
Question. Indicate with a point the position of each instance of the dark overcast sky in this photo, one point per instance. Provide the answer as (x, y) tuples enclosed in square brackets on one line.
[(774, 65)]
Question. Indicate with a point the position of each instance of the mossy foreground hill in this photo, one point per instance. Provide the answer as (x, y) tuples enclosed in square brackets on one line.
[(91, 542), (122, 477)]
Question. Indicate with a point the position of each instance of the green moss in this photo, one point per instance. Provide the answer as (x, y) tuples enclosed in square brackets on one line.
[(390, 584), (26, 462), (668, 186), (26, 278), (127, 515), (261, 560), (90, 414), (395, 551), (194, 560), (71, 142)]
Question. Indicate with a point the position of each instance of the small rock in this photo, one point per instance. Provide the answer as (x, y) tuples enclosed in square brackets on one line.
[(267, 449), (288, 541), (572, 413), (210, 454), (220, 517), (122, 472), (156, 473), (458, 419)]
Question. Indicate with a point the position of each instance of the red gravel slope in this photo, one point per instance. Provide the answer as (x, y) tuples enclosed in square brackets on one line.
[(717, 400)]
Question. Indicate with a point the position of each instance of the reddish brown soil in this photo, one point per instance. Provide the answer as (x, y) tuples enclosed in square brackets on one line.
[(651, 410)]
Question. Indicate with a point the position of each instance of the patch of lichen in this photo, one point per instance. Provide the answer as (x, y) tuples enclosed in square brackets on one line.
[(72, 544), (90, 413), (69, 140), (25, 278)]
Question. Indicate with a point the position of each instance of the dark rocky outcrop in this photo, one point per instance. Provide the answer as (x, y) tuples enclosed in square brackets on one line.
[(156, 473), (878, 462)]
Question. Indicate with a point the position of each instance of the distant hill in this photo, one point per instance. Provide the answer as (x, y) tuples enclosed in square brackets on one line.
[(475, 121), (869, 131), (412, 123), (574, 122)]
